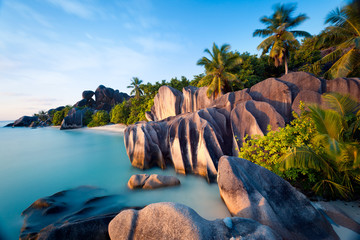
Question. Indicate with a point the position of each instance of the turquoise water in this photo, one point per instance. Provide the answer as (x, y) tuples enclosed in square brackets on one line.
[(40, 162)]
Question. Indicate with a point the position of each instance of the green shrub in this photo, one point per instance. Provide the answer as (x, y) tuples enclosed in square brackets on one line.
[(120, 113), (100, 118), (60, 115), (87, 117), (267, 150)]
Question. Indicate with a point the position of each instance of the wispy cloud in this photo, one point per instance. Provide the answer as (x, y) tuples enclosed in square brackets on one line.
[(156, 44), (82, 10), (28, 13)]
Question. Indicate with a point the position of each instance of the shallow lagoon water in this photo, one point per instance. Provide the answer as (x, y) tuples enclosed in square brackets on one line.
[(40, 162)]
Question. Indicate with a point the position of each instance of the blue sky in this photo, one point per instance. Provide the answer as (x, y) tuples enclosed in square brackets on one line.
[(52, 50)]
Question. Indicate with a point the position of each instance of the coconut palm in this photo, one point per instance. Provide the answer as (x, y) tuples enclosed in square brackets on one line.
[(338, 155), (219, 69), (135, 85), (344, 35), (280, 41)]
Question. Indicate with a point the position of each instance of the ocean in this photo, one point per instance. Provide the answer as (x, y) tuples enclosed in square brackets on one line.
[(39, 162)]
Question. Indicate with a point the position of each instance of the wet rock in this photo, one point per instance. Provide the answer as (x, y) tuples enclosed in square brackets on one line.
[(177, 221), (344, 86), (24, 121), (251, 191), (9, 125), (276, 93), (167, 103), (152, 181), (80, 213)]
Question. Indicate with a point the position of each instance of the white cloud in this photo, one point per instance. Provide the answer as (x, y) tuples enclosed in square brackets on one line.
[(28, 13), (155, 44), (74, 7)]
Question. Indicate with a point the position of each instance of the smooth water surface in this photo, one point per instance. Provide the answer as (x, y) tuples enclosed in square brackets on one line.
[(40, 162)]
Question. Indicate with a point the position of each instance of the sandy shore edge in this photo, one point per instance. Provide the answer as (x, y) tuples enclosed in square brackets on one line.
[(114, 128)]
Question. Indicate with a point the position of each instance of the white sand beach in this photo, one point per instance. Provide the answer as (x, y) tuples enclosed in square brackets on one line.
[(114, 128)]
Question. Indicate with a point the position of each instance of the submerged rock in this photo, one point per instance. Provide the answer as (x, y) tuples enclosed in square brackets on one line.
[(152, 181), (80, 213), (251, 191), (176, 221)]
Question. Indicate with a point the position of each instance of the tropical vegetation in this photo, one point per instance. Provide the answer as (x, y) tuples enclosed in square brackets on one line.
[(135, 85), (280, 40), (343, 36), (220, 69)]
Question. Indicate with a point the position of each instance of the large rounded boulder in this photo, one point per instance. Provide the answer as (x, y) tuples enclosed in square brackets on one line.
[(251, 191), (276, 93), (344, 86), (167, 103), (176, 221)]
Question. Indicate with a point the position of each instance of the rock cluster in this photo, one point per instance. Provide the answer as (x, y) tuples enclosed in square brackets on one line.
[(191, 131), (80, 213), (251, 191), (24, 121), (152, 181), (176, 221)]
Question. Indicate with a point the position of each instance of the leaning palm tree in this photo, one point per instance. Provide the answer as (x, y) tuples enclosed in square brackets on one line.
[(344, 36), (280, 41), (338, 154), (135, 85), (219, 70)]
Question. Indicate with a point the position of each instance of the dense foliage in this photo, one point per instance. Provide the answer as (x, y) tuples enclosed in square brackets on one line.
[(334, 149), (60, 115), (268, 150), (100, 118)]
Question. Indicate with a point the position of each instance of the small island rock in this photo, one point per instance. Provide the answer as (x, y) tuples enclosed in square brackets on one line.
[(152, 181)]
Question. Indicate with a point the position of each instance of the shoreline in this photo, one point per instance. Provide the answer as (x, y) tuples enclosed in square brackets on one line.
[(113, 128)]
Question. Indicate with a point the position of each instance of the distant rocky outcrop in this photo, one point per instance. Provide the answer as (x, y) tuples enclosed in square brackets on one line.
[(176, 221), (251, 191), (80, 213), (152, 181), (24, 121), (106, 98)]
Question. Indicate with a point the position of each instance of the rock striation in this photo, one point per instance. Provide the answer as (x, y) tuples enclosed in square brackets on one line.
[(152, 181), (176, 221), (251, 191), (191, 132), (74, 119)]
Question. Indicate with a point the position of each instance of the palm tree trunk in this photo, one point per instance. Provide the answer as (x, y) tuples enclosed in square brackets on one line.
[(286, 65)]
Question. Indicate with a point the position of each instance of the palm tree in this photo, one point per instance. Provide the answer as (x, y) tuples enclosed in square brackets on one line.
[(135, 84), (344, 35), (338, 155), (219, 69), (279, 40)]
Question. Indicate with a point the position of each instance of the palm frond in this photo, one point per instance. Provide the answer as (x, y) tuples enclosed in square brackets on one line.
[(343, 104), (301, 34)]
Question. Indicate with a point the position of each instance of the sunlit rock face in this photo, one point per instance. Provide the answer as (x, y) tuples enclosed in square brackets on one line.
[(349, 86), (191, 142), (176, 221), (251, 191), (276, 93), (80, 213), (253, 118), (195, 131)]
